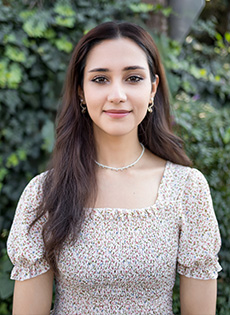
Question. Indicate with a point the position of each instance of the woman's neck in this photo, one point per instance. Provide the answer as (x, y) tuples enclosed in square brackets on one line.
[(118, 151)]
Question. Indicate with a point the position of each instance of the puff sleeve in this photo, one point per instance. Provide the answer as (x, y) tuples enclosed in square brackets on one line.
[(26, 248), (199, 241)]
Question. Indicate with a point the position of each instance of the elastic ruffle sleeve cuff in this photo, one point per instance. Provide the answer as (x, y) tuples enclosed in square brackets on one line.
[(25, 247), (201, 270), (23, 272), (200, 240)]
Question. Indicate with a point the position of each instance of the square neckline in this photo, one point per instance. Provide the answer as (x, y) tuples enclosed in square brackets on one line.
[(159, 193)]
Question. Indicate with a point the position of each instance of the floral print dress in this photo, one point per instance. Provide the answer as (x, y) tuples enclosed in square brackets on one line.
[(125, 260)]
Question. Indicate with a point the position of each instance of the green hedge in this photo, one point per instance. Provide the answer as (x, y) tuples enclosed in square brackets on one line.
[(35, 47), (206, 132)]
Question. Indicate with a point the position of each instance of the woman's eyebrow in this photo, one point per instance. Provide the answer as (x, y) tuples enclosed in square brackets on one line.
[(99, 70), (124, 69), (133, 68)]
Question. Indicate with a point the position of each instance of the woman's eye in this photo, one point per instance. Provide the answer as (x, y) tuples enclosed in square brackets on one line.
[(100, 80), (135, 78)]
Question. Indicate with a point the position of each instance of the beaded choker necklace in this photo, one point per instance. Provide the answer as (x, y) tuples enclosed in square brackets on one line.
[(124, 167)]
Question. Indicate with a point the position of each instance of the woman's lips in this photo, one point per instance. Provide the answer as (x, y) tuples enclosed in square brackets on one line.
[(117, 113)]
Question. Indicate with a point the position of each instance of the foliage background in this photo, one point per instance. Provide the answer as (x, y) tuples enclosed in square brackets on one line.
[(36, 41)]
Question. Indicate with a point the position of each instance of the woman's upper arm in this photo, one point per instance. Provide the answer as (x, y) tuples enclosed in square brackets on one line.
[(33, 296), (198, 297)]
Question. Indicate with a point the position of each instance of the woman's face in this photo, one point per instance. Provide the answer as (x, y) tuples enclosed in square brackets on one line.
[(117, 88)]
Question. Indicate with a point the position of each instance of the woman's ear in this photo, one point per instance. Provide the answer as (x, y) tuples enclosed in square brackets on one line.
[(155, 85), (81, 93)]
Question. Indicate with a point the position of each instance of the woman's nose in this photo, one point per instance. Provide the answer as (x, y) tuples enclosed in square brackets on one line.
[(117, 94)]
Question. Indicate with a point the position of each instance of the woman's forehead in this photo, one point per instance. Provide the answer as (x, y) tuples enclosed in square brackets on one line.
[(119, 52)]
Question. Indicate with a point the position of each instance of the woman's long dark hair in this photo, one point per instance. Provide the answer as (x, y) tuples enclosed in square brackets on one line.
[(71, 185)]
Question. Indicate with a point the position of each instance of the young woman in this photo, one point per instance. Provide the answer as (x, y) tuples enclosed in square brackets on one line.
[(120, 209)]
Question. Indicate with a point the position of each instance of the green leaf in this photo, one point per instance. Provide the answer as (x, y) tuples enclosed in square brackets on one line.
[(4, 309), (226, 137), (167, 11), (227, 37), (15, 54), (64, 10), (22, 154), (12, 160), (65, 21), (9, 38), (27, 14), (14, 76), (28, 42), (7, 286), (49, 33), (197, 72), (219, 36), (11, 100), (7, 13), (37, 24), (11, 75), (15, 157), (3, 72), (15, 37), (64, 45), (203, 72), (141, 7)]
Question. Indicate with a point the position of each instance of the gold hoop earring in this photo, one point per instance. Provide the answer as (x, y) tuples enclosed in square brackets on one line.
[(83, 106), (151, 105)]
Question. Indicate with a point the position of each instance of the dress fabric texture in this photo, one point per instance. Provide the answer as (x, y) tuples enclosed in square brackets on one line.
[(125, 260)]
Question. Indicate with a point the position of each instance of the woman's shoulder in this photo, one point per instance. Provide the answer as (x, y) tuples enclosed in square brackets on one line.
[(37, 181), (188, 172), (173, 171), (184, 180), (39, 178), (33, 191)]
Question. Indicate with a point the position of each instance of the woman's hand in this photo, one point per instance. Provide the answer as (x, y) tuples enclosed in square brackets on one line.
[(197, 297), (33, 296)]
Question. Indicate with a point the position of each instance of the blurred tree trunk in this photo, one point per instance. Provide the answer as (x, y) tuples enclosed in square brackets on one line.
[(158, 21), (221, 10)]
